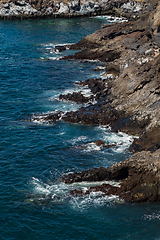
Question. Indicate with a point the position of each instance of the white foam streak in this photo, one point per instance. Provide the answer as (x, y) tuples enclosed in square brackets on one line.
[(152, 216), (121, 140), (93, 199), (112, 19), (53, 45), (79, 139), (60, 192)]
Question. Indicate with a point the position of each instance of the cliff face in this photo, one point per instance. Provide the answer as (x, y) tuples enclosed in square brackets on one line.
[(10, 9)]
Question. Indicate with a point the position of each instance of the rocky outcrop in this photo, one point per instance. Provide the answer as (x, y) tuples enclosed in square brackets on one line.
[(138, 176), (77, 97), (46, 118), (131, 104), (19, 9)]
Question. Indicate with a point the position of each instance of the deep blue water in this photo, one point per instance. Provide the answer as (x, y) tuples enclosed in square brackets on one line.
[(34, 203)]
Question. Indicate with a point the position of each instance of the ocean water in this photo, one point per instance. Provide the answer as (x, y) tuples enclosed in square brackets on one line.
[(34, 156)]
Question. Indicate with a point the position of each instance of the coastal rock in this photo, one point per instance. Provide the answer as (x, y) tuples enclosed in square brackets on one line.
[(17, 8), (131, 104), (92, 115), (77, 97), (138, 177), (47, 118), (132, 96), (63, 8), (128, 102), (75, 8)]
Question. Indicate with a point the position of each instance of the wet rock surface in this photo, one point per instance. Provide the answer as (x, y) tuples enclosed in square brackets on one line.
[(47, 118), (77, 97)]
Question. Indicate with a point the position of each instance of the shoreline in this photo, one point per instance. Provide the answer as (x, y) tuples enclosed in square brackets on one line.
[(128, 102)]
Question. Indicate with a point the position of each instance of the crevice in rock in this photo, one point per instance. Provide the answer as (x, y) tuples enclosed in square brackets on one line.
[(122, 174)]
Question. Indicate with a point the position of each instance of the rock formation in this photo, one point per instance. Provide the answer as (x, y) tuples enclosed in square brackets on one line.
[(139, 178), (131, 103), (13, 9), (128, 99)]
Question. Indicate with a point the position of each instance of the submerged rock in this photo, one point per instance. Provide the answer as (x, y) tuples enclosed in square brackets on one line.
[(46, 118), (98, 143)]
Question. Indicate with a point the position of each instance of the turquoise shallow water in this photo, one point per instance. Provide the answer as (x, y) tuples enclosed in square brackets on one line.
[(34, 203)]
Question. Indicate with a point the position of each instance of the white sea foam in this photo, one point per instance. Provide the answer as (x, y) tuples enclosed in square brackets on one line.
[(53, 45), (121, 140), (79, 139), (93, 199), (112, 19), (54, 58), (40, 119), (92, 147), (60, 192), (106, 76), (152, 216), (84, 90), (91, 60)]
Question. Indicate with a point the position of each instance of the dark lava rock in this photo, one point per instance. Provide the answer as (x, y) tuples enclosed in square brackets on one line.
[(60, 48), (138, 177), (113, 69), (102, 144), (49, 118), (149, 141), (77, 97), (97, 174), (93, 115)]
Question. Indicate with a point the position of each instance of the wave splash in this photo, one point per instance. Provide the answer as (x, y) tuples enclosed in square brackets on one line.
[(59, 193)]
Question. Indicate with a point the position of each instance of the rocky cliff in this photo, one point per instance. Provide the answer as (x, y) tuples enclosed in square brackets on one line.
[(19, 9), (131, 53), (130, 102)]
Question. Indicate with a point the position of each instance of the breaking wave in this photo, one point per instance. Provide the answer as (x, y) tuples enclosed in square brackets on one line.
[(59, 193)]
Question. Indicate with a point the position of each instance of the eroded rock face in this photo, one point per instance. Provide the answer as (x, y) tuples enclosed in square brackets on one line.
[(133, 95), (49, 8), (139, 178)]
